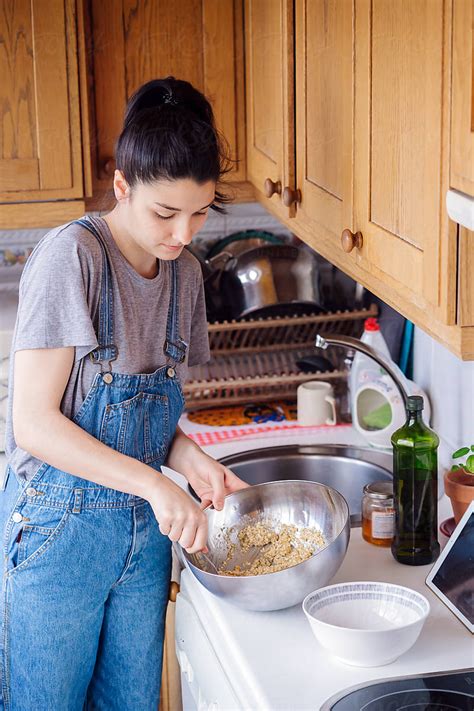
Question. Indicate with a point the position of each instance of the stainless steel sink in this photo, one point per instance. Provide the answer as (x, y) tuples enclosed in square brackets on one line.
[(343, 467)]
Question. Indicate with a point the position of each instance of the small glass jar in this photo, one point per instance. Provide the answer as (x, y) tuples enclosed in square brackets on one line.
[(378, 513)]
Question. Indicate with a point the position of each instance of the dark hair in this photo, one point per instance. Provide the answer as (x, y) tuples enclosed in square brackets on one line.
[(169, 133)]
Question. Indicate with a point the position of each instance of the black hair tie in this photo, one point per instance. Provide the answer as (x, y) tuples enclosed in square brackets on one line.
[(170, 99)]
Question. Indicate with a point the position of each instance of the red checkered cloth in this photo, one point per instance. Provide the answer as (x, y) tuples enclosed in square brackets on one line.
[(219, 435)]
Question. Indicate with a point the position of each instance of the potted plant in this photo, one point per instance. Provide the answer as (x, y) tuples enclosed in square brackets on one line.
[(459, 481)]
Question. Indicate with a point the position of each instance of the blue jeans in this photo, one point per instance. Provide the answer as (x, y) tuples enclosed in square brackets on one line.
[(84, 604)]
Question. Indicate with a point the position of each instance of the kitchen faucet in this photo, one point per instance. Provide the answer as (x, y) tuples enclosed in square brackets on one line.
[(357, 345)]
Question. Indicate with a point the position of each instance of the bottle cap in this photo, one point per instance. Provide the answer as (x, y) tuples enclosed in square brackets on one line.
[(371, 324), (415, 403)]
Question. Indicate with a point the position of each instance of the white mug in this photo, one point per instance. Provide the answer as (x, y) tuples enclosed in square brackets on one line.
[(315, 403)]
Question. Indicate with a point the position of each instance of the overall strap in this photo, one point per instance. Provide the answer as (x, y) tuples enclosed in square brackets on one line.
[(175, 348), (107, 350)]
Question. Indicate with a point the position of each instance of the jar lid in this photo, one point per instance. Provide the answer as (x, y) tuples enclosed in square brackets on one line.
[(379, 490)]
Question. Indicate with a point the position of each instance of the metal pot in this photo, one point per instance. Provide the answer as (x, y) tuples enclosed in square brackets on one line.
[(239, 242), (251, 277), (270, 280)]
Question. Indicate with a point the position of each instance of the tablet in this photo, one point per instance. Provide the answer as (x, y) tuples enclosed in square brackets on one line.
[(452, 576)]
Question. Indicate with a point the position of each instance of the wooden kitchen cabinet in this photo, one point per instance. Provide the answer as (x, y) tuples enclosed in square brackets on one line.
[(466, 281), (170, 697), (462, 108), (270, 102), (323, 113), (69, 67), (401, 149), (372, 92), (132, 42), (40, 161)]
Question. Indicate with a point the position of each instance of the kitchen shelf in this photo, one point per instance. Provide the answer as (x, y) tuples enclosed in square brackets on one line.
[(256, 360), (286, 332), (216, 393)]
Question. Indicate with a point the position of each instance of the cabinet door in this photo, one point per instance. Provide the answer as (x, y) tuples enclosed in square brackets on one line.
[(270, 105), (401, 158), (324, 90), (462, 117), (200, 41), (466, 282), (40, 157)]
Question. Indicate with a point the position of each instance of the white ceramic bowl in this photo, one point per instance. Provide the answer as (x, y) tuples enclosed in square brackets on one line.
[(366, 624)]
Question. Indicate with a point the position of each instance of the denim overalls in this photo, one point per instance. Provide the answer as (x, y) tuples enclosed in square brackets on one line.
[(86, 569)]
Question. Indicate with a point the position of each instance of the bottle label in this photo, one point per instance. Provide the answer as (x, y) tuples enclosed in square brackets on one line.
[(383, 524)]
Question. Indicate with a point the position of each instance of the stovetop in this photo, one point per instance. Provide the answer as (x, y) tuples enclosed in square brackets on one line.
[(440, 691)]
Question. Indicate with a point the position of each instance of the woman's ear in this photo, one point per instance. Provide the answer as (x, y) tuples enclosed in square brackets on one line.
[(121, 187)]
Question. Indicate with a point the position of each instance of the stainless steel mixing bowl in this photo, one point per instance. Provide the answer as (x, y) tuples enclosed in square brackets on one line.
[(304, 503)]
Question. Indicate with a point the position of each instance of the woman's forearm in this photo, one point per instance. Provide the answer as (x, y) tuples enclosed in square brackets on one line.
[(181, 452), (53, 438)]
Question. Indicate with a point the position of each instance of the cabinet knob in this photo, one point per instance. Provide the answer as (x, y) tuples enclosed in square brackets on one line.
[(291, 196), (349, 240), (108, 167), (270, 188), (174, 590)]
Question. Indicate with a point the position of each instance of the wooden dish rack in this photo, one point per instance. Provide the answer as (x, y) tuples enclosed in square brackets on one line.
[(255, 360)]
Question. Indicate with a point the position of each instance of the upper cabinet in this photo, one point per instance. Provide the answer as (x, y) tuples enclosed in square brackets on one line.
[(40, 159), (462, 117), (68, 68), (130, 43), (372, 105), (323, 121), (349, 118), (466, 282), (322, 159), (401, 147), (270, 117)]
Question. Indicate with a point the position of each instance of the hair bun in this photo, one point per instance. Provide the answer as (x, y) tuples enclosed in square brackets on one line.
[(152, 95)]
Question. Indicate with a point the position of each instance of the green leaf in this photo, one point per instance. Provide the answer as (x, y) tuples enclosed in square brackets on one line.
[(470, 464), (461, 452), (472, 447), (455, 466)]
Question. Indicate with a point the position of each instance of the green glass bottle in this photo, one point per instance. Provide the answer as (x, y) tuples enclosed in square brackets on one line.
[(415, 488)]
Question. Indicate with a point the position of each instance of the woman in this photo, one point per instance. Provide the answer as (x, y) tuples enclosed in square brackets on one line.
[(111, 313)]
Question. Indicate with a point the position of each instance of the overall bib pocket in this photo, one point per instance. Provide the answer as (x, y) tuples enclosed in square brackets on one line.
[(138, 427), (41, 527)]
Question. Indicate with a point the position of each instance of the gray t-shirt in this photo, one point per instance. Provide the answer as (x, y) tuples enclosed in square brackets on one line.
[(58, 307)]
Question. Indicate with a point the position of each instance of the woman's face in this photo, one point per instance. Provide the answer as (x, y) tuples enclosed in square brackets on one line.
[(164, 216)]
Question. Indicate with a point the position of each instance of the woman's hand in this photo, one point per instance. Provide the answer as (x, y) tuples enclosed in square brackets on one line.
[(210, 480), (178, 516)]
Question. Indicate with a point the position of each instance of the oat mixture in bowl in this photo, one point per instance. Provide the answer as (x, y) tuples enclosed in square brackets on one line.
[(268, 546)]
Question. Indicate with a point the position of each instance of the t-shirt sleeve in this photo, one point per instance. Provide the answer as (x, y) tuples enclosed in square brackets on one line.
[(56, 296), (199, 352)]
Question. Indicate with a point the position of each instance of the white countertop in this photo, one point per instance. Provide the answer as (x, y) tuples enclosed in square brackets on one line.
[(279, 663), (272, 659)]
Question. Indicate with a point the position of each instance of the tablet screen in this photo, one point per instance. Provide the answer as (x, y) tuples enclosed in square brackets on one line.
[(455, 576)]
